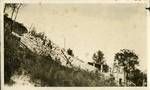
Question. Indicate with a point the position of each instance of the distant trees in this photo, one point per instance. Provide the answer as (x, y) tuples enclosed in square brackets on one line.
[(98, 57), (99, 61), (128, 60)]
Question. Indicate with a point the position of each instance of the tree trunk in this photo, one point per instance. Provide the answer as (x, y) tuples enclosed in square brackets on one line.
[(125, 82), (12, 18), (4, 8), (12, 14), (17, 11)]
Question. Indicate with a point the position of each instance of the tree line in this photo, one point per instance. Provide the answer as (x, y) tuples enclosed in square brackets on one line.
[(125, 58)]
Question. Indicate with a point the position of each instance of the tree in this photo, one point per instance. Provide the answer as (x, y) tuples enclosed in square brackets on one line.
[(138, 77), (14, 7), (98, 57), (17, 10), (105, 68), (128, 60), (6, 6)]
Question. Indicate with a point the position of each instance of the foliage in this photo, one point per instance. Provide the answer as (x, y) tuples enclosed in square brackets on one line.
[(127, 58), (43, 70), (49, 72), (14, 7), (98, 57), (105, 68), (138, 77), (70, 52), (12, 59), (40, 35)]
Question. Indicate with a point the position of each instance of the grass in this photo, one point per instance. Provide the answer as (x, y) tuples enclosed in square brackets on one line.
[(43, 70), (51, 73)]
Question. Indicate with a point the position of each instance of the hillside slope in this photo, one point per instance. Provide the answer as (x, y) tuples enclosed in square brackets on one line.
[(36, 45), (45, 66)]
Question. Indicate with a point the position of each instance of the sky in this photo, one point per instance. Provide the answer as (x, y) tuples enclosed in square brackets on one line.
[(86, 28)]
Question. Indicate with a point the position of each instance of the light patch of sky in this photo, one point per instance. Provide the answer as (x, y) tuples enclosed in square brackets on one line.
[(87, 28)]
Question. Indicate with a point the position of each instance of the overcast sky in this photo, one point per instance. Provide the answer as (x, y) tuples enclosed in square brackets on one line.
[(91, 27)]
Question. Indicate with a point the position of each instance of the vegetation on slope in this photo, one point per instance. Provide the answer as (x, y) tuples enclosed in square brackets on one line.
[(42, 69)]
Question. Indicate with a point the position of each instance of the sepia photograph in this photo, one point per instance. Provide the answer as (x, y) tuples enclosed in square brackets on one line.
[(75, 45)]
